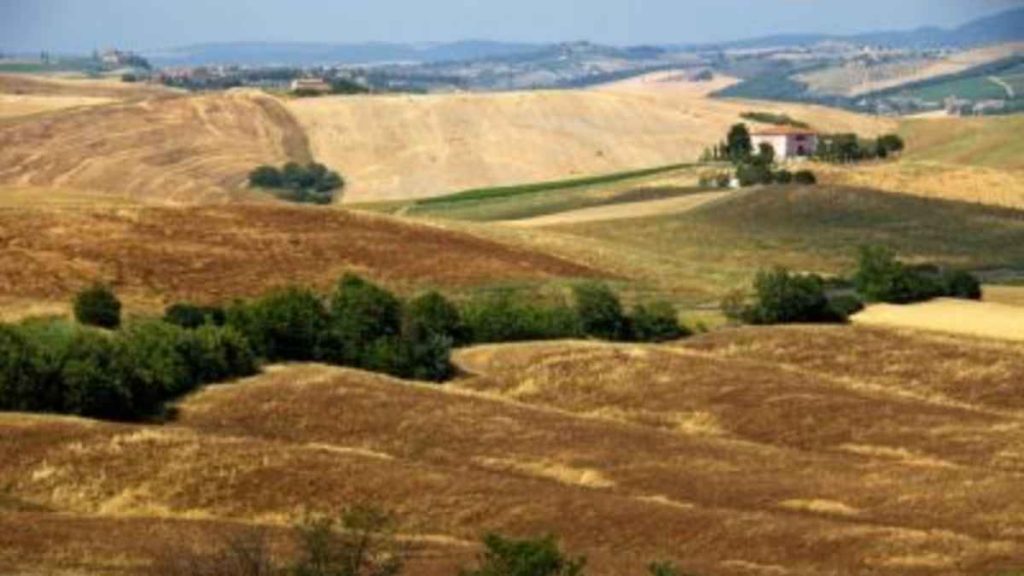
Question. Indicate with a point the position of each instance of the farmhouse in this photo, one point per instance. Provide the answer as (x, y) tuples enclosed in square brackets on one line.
[(787, 142), (311, 86)]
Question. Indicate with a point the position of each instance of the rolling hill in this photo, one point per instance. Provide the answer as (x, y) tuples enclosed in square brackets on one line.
[(900, 457)]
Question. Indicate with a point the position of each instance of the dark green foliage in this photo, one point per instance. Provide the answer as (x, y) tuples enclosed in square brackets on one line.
[(433, 315), (783, 298), (91, 382), (846, 148), (961, 284), (216, 354), (783, 177), (600, 312), (846, 305), (530, 557), (765, 154), (772, 118), (880, 277), (501, 317), (752, 174), (656, 322), (285, 325), (805, 178), (18, 371), (191, 316), (312, 183), (98, 306), (738, 144), (361, 314)]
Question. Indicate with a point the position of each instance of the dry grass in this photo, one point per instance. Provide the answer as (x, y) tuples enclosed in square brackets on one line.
[(166, 150), (21, 105), (398, 147), (979, 319), (580, 439), (212, 254), (23, 84)]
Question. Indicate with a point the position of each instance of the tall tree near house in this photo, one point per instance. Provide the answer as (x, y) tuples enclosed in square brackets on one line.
[(738, 144)]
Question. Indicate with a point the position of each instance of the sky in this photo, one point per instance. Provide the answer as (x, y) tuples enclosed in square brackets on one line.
[(83, 25)]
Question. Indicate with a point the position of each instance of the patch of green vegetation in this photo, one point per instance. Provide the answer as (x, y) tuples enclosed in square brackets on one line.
[(971, 84), (511, 191), (703, 254)]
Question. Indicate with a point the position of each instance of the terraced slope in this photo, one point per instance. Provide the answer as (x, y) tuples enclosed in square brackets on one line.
[(166, 150), (746, 452)]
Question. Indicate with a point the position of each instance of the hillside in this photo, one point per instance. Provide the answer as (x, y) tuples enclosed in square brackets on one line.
[(398, 147), (718, 453), (166, 150), (157, 255), (969, 159)]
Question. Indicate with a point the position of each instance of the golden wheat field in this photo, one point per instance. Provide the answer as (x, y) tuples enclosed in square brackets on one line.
[(395, 147), (878, 452)]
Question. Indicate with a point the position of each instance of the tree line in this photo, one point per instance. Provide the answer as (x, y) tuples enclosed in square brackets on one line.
[(780, 296), (101, 367)]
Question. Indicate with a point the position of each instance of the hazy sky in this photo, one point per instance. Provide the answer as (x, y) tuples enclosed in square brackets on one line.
[(81, 25)]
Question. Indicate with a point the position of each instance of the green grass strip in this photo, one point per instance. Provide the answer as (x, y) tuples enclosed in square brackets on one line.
[(507, 191)]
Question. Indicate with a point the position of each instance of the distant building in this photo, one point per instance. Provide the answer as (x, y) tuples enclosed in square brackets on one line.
[(311, 86), (786, 141)]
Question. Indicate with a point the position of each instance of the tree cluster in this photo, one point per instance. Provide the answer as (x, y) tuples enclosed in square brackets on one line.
[(753, 167), (782, 297), (309, 184), (848, 148)]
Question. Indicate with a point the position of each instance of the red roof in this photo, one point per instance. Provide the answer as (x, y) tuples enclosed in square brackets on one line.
[(782, 131)]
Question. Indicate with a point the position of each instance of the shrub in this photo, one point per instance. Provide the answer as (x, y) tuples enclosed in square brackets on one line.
[(191, 316), (656, 322), (961, 284), (782, 298), (361, 543), (287, 325), (433, 315), (805, 178), (530, 557), (846, 305), (501, 317), (600, 312), (266, 177), (361, 313), (91, 380), (150, 362), (311, 183), (215, 354), (783, 177), (98, 306), (18, 374), (752, 174), (880, 277)]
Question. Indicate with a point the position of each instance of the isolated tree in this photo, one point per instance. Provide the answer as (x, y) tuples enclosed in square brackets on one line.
[(266, 177), (98, 306)]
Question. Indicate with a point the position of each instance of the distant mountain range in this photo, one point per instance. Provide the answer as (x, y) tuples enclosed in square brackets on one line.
[(1004, 27)]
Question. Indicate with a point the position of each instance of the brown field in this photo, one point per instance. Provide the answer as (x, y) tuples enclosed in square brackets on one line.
[(165, 150), (53, 86), (217, 253), (984, 319), (755, 451), (395, 147)]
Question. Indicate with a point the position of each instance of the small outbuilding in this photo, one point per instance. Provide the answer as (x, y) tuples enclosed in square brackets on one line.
[(788, 142), (311, 86)]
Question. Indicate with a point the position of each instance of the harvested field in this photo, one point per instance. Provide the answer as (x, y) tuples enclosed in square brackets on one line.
[(22, 84), (624, 211), (16, 105), (898, 455), (980, 319), (212, 254), (168, 150), (399, 147)]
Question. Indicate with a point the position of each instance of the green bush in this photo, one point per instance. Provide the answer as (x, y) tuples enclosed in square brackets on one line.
[(191, 316), (98, 306), (361, 313), (91, 379), (529, 557), (846, 305), (149, 360), (752, 174), (783, 177), (501, 317), (216, 354), (286, 325), (656, 322), (880, 277), (600, 312), (18, 371), (784, 298), (961, 284), (311, 183), (433, 315)]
